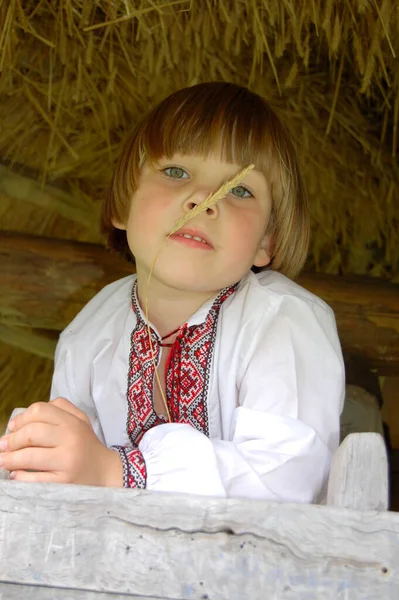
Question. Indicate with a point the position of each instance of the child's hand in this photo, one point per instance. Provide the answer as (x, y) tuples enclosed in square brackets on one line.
[(56, 441)]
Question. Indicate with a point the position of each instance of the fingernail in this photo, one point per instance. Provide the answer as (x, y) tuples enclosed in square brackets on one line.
[(3, 444), (12, 475), (11, 425)]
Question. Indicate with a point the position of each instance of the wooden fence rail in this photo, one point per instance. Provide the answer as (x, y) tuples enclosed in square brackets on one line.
[(85, 543)]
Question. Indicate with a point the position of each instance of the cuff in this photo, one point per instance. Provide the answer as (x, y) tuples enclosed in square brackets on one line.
[(180, 458), (134, 468)]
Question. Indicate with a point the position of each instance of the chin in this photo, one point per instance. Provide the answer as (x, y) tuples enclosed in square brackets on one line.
[(191, 280), (188, 282)]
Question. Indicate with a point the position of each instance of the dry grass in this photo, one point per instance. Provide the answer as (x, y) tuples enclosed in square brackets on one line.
[(76, 75), (24, 378)]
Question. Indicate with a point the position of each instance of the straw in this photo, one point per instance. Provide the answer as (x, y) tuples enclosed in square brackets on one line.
[(210, 200)]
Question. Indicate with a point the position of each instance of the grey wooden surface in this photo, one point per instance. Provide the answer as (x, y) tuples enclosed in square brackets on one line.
[(10, 591), (359, 473), (169, 546)]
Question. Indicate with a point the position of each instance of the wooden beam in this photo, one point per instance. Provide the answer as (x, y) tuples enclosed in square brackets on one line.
[(175, 546), (45, 282), (20, 187), (12, 591), (367, 313), (41, 343)]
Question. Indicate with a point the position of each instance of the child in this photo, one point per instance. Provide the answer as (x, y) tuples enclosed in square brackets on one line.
[(250, 363)]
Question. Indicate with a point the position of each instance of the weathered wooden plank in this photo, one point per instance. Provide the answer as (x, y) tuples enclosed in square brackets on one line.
[(41, 343), (46, 282), (20, 187), (367, 313), (178, 546), (11, 591), (359, 473)]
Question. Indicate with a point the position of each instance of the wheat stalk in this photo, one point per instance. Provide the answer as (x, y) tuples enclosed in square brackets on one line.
[(212, 199)]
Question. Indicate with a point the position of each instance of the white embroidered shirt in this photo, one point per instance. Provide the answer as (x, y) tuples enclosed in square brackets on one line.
[(255, 387)]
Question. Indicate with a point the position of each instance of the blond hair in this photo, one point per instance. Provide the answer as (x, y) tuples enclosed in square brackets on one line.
[(218, 117)]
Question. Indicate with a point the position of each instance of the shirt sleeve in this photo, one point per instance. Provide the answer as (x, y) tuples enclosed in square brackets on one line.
[(283, 431), (63, 383)]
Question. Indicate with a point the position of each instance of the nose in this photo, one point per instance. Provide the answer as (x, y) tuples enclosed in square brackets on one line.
[(198, 197)]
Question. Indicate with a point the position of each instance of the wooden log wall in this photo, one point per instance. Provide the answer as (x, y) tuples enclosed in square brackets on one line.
[(45, 282)]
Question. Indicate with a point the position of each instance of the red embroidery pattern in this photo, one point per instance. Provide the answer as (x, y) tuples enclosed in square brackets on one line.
[(187, 373), (187, 380), (134, 469), (141, 413)]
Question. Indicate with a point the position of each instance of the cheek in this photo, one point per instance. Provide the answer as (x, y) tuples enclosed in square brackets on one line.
[(246, 230), (149, 218), (154, 200), (149, 206)]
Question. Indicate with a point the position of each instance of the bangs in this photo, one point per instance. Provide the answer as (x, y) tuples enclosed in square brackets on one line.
[(213, 117)]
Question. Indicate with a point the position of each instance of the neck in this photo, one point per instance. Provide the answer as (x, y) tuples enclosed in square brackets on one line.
[(169, 308)]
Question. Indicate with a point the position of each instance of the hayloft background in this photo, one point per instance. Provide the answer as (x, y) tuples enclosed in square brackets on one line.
[(75, 75)]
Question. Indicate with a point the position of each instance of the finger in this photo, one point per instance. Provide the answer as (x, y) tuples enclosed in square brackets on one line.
[(36, 435), (36, 412), (43, 412), (34, 459), (70, 408), (11, 421), (36, 477)]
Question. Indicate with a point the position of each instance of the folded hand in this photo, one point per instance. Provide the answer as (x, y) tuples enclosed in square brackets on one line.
[(55, 442)]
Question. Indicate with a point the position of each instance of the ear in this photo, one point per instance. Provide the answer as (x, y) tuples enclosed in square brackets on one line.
[(264, 253), (118, 224)]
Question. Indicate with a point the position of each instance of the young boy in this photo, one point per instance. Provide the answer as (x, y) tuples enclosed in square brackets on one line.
[(239, 390)]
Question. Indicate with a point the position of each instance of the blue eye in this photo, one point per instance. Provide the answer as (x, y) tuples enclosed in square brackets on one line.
[(241, 192), (175, 173)]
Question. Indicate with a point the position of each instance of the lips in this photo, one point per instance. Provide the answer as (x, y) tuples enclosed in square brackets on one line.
[(194, 233)]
